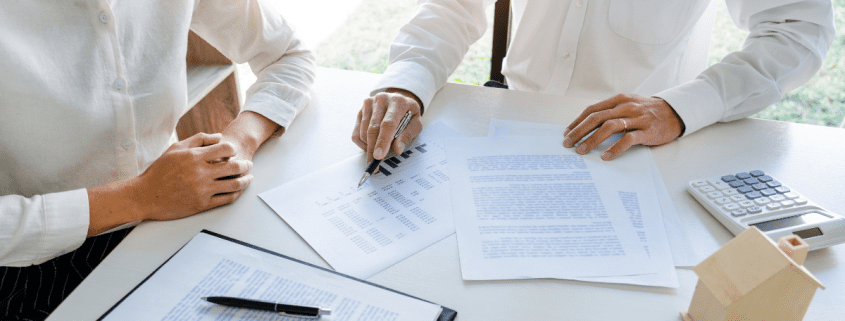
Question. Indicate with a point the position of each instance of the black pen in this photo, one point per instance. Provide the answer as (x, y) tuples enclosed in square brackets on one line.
[(292, 310), (374, 164)]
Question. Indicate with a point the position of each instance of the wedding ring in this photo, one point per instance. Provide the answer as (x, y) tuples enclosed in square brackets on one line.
[(624, 123)]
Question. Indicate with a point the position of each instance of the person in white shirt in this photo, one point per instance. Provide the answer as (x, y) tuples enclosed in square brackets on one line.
[(90, 93), (644, 59)]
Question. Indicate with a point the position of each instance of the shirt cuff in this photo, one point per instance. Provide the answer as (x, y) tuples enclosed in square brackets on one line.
[(409, 76), (66, 216), (696, 102), (274, 108)]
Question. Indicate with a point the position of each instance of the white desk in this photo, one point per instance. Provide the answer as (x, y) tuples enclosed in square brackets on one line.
[(808, 158)]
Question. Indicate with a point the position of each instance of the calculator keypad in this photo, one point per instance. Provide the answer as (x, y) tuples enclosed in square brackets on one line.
[(747, 193)]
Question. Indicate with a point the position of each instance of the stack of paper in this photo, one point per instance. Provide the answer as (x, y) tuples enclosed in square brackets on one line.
[(524, 207)]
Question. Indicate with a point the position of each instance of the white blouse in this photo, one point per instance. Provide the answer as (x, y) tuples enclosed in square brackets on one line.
[(90, 93)]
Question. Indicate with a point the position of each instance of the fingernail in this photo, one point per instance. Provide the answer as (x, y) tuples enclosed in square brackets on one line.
[(567, 142), (377, 153), (401, 146), (566, 132), (606, 156), (581, 149)]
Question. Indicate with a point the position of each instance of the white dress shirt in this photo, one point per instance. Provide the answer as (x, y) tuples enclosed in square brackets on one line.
[(90, 93), (598, 48)]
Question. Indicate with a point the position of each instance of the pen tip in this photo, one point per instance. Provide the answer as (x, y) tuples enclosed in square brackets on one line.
[(204, 298)]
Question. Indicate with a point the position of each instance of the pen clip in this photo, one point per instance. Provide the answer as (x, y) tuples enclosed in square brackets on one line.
[(402, 124)]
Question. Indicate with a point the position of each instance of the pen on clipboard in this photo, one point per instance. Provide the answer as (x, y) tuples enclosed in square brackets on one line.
[(375, 163), (286, 309)]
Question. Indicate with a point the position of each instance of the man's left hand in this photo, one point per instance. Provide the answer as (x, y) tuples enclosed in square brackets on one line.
[(646, 121)]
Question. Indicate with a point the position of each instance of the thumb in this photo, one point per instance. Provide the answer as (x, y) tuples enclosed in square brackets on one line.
[(203, 139)]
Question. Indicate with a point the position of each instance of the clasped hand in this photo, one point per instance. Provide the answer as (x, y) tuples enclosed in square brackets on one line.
[(646, 121), (193, 175)]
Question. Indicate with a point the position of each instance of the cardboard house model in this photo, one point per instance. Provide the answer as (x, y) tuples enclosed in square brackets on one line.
[(751, 278)]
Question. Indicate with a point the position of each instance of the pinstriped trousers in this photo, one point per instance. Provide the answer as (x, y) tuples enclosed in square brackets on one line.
[(33, 292)]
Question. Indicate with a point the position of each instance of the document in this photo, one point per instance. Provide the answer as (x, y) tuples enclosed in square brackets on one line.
[(683, 253), (399, 211), (526, 207), (213, 266)]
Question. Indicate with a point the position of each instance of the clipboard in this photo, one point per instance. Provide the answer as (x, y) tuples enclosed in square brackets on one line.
[(446, 314)]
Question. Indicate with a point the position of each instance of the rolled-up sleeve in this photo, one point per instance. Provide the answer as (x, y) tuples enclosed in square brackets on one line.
[(38, 228), (432, 45), (250, 31), (787, 43)]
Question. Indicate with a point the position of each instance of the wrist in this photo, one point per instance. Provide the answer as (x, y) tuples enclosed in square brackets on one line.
[(407, 94), (248, 131)]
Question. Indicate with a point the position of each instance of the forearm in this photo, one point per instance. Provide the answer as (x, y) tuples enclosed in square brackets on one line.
[(432, 45), (249, 130), (115, 204), (785, 48)]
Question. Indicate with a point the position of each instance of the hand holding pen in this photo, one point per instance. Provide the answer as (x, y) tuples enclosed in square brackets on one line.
[(379, 118), (376, 162)]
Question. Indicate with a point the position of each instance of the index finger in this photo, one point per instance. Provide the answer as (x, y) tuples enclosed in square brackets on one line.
[(597, 107), (396, 110)]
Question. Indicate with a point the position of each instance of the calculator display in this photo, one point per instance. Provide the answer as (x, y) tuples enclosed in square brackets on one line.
[(806, 218)]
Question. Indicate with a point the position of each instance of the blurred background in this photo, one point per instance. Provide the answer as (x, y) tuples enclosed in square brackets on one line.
[(356, 35)]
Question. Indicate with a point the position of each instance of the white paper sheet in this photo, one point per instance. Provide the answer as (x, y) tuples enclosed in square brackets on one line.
[(211, 266), (397, 213), (525, 207), (683, 253)]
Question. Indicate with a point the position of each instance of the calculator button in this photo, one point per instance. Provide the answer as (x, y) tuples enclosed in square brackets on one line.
[(777, 198), (800, 201), (746, 203), (713, 195), (754, 209), (721, 185), (765, 178), (756, 173), (753, 195), (729, 192), (782, 189), (787, 203), (759, 186), (739, 212), (731, 206), (723, 200), (736, 184), (768, 192), (743, 175), (745, 189), (750, 181), (773, 206), (773, 184), (762, 200), (728, 178), (699, 183), (739, 198), (707, 189), (791, 195)]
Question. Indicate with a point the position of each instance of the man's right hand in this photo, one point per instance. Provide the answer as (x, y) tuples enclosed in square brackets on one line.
[(379, 118), (192, 176)]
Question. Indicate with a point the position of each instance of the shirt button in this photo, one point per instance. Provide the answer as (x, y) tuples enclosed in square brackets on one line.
[(579, 3), (119, 84), (104, 17), (566, 55), (127, 144)]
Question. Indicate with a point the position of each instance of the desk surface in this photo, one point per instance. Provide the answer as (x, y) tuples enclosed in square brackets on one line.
[(808, 158)]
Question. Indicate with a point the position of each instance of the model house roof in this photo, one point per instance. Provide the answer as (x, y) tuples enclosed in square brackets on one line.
[(742, 264)]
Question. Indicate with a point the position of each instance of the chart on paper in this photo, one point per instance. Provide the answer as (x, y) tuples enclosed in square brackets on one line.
[(397, 212)]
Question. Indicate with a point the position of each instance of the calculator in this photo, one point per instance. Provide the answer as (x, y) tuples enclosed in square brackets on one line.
[(754, 198)]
